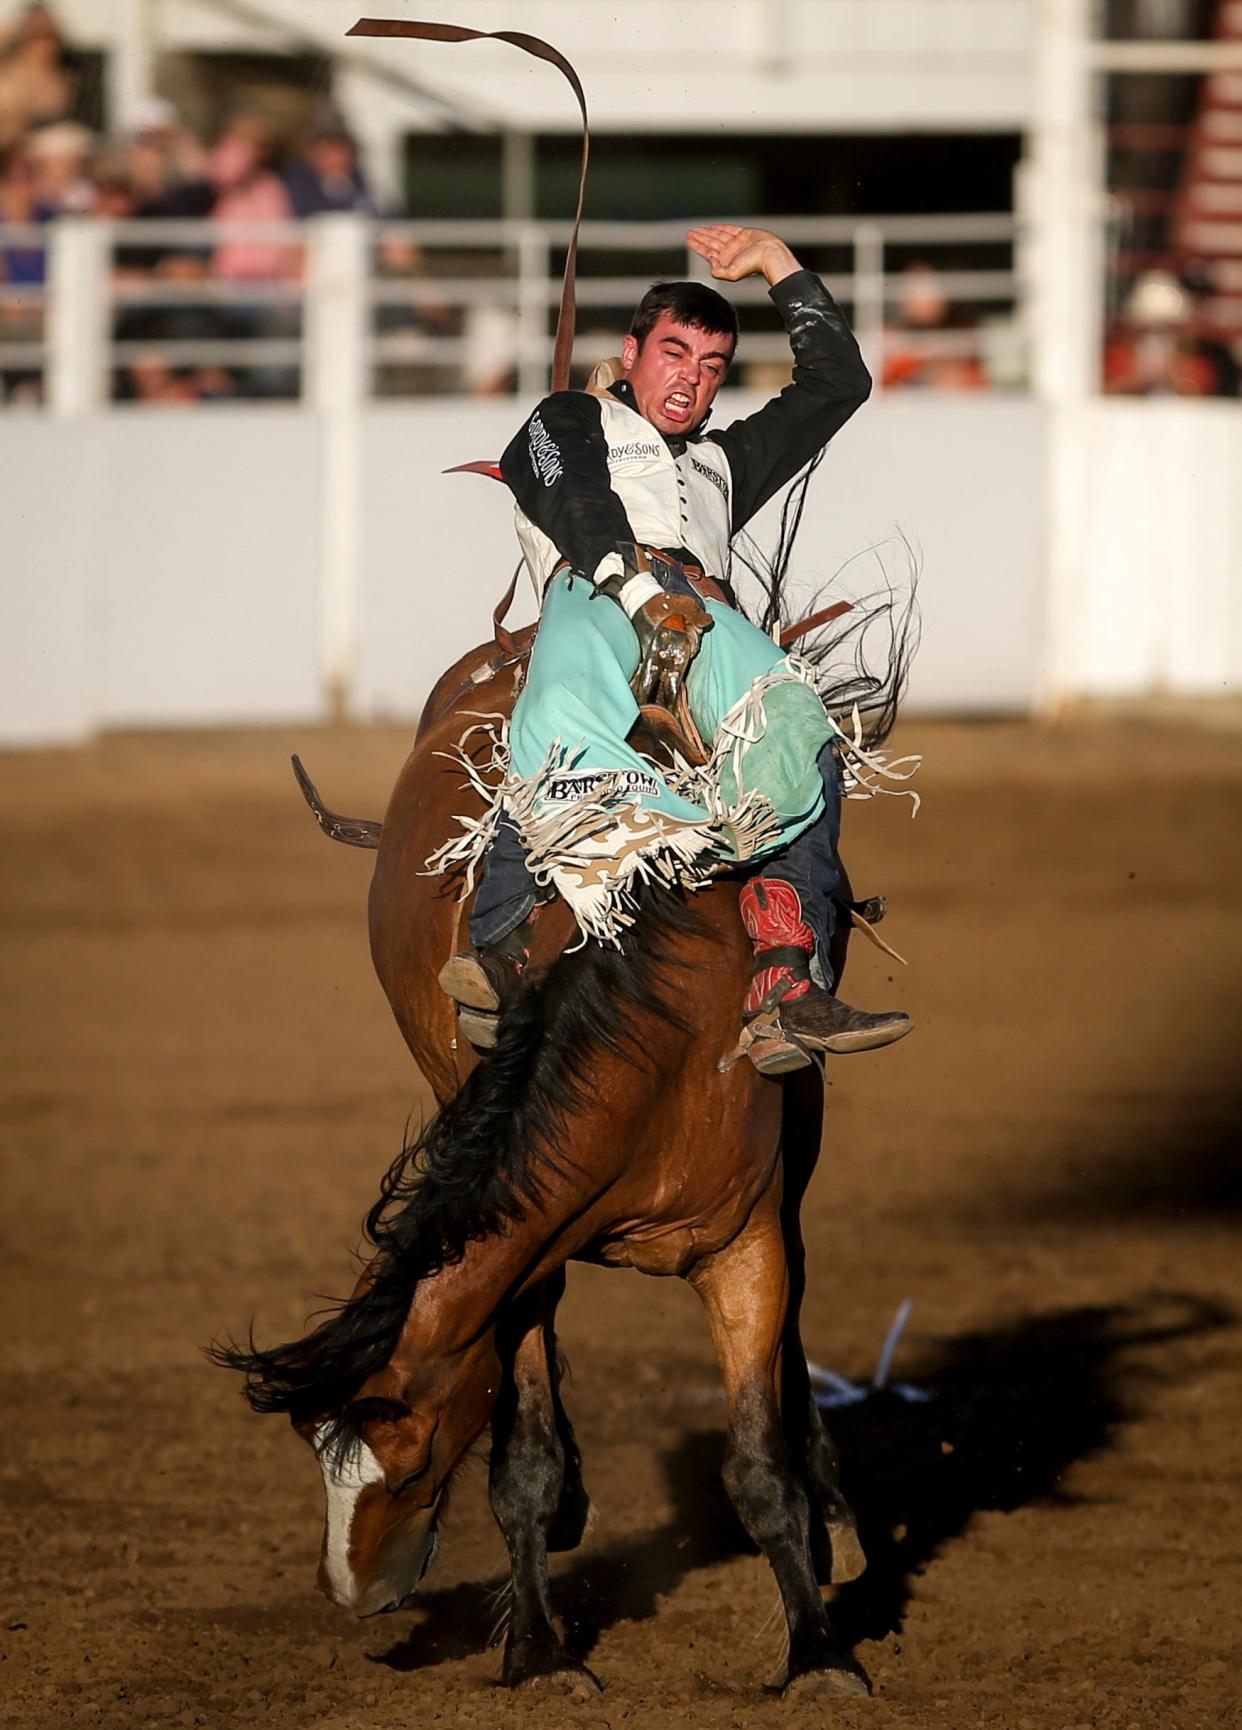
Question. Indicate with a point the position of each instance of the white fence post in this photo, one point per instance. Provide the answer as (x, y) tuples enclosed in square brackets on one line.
[(336, 331), (532, 311), (76, 328), (1065, 299), (868, 306), (130, 65)]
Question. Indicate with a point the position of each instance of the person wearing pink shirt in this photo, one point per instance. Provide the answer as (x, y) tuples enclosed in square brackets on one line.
[(249, 190)]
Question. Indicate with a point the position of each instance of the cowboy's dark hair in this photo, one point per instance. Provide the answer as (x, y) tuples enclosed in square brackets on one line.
[(691, 303)]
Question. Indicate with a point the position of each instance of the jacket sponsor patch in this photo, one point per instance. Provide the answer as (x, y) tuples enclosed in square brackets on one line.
[(635, 448), (621, 784), (545, 458), (711, 474)]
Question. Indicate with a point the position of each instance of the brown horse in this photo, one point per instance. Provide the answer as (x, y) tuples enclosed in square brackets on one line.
[(607, 1127)]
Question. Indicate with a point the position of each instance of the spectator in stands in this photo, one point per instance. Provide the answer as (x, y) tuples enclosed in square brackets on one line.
[(169, 173), (22, 263), (23, 266), (112, 183), (1204, 332), (912, 356), (327, 174), (489, 350), (169, 166), (60, 156), (1163, 346), (248, 189), (35, 85)]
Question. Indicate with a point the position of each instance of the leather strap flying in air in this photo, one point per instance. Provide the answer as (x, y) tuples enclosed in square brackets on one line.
[(563, 346), (825, 616), (566, 318)]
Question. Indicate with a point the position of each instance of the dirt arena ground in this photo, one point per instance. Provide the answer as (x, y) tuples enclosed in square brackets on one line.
[(202, 1086)]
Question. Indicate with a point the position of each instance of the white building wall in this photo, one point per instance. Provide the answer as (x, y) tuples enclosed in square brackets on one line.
[(700, 65), (206, 548), (165, 568), (49, 582), (1158, 601), (961, 480), (158, 568)]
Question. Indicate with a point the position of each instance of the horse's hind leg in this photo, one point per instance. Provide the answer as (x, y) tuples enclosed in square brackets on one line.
[(810, 1442), (745, 1290), (846, 1557), (805, 1430), (535, 1487)]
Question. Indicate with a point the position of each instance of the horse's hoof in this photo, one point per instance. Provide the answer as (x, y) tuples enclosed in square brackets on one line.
[(545, 1664), (572, 1680), (837, 1675), (848, 1558)]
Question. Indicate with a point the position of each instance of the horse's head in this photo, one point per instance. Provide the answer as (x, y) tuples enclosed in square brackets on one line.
[(386, 1461)]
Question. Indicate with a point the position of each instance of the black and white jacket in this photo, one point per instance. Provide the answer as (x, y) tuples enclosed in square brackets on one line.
[(588, 471)]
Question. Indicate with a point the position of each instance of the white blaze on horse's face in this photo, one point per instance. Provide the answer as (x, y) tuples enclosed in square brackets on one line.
[(370, 1562), (344, 1479)]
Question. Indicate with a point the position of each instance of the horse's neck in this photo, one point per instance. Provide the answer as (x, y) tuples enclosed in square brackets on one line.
[(454, 1306)]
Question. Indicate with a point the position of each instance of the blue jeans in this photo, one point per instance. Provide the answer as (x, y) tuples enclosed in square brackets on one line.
[(507, 892), (811, 863)]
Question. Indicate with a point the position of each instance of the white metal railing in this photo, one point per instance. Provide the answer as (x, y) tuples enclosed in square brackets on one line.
[(430, 296)]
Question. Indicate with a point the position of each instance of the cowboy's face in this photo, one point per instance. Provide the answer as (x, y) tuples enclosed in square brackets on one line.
[(675, 373)]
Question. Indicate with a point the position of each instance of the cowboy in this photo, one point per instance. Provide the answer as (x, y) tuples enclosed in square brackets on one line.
[(625, 508)]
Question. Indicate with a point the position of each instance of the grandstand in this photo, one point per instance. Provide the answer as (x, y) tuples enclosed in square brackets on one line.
[(224, 410)]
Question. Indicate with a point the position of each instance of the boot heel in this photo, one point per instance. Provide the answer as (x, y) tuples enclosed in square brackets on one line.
[(480, 1026), (777, 1056), (464, 979)]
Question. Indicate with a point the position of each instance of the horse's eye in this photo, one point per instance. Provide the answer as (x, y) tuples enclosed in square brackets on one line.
[(408, 1482)]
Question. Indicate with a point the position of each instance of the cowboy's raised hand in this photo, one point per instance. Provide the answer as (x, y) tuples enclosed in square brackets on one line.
[(735, 252)]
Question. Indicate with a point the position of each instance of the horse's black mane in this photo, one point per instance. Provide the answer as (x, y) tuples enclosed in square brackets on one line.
[(483, 1160)]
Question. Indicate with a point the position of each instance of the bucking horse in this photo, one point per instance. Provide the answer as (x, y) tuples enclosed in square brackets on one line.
[(616, 1121), (613, 1123)]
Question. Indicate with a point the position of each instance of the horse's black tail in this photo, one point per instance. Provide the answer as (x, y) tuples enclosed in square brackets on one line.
[(353, 831)]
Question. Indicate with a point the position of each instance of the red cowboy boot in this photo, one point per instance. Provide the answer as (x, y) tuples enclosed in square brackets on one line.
[(809, 1015)]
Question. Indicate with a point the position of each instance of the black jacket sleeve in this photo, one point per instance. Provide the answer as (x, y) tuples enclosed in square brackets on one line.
[(830, 380), (557, 470)]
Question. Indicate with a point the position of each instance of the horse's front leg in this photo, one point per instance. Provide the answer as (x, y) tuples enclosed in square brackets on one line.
[(745, 1289), (535, 1487)]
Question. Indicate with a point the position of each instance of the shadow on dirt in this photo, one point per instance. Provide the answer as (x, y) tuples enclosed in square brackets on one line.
[(1011, 1411), (1178, 1169)]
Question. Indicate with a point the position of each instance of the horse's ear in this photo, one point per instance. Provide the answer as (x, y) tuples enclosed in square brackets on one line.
[(398, 1435), (388, 1387)]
